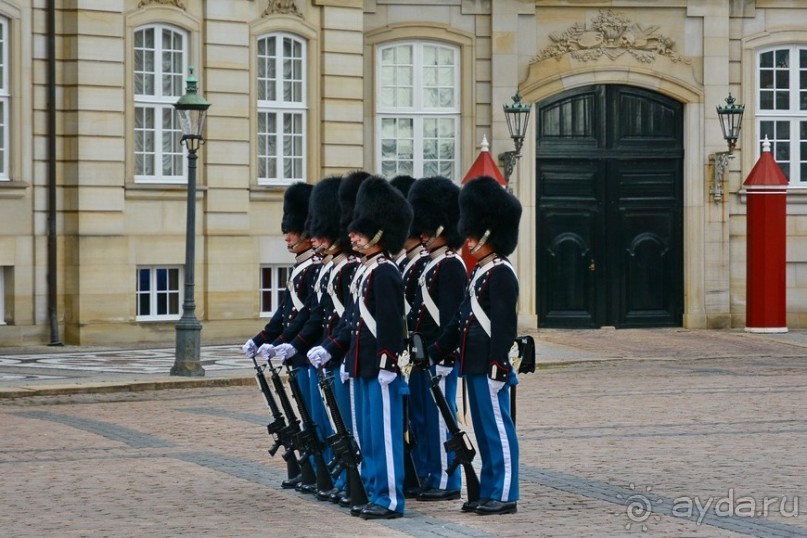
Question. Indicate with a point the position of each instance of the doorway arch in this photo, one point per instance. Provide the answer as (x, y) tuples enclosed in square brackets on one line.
[(609, 208)]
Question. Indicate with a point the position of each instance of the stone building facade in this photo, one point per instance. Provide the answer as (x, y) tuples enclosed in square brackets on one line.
[(621, 223)]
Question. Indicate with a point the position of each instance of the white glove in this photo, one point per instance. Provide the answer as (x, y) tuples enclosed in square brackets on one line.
[(317, 356), (285, 351), (495, 386), (249, 349), (385, 377), (343, 375), (443, 371), (267, 351)]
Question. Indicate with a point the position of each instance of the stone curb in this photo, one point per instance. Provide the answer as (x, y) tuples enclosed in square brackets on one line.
[(796, 340), (101, 387), (164, 383)]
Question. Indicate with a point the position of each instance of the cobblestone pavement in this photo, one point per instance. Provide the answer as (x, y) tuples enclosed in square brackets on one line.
[(35, 370), (678, 433)]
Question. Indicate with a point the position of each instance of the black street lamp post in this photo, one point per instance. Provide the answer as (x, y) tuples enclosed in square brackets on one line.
[(192, 110), (517, 115), (731, 118)]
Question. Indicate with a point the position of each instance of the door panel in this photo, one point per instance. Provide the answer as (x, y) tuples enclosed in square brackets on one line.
[(609, 209), (568, 262), (569, 224), (641, 119), (645, 224), (572, 122)]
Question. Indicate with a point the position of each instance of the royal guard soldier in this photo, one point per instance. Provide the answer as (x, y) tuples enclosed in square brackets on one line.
[(403, 183), (411, 261), (294, 308), (322, 227), (441, 288), (333, 297), (485, 328), (377, 338), (340, 291), (413, 256), (348, 190)]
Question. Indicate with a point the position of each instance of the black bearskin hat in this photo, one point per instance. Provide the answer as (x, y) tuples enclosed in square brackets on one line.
[(324, 214), (403, 184), (295, 207), (380, 206), (348, 189), (347, 195), (435, 202), (486, 205)]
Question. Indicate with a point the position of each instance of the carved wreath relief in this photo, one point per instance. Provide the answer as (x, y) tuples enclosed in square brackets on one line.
[(283, 7), (176, 3), (611, 34)]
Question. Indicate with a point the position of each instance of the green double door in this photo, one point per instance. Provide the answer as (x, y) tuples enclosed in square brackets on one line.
[(609, 209)]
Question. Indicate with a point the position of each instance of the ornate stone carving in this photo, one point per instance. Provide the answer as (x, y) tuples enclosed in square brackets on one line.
[(611, 34), (176, 3), (287, 7)]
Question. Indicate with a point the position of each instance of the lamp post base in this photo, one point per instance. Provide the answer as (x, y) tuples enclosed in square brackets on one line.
[(188, 349)]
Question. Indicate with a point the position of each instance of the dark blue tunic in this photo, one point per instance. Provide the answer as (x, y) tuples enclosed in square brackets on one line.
[(378, 298), (495, 288), (289, 318)]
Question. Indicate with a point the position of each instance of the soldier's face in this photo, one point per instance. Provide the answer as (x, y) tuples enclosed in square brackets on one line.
[(295, 243), (432, 243), (321, 243), (481, 252), (358, 241)]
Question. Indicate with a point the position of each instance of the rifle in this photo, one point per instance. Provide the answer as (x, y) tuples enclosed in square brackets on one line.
[(307, 474), (308, 439), (347, 454), (279, 431), (412, 485), (459, 444)]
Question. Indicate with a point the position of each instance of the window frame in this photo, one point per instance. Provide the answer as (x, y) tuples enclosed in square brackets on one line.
[(153, 292), (5, 100), (162, 106), (2, 295), (418, 113), (788, 138), (279, 275), (295, 111)]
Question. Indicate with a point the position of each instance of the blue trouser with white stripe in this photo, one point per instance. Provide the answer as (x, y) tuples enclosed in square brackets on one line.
[(341, 391), (358, 413), (309, 389), (419, 399), (496, 437), (382, 442), (437, 435), (319, 414)]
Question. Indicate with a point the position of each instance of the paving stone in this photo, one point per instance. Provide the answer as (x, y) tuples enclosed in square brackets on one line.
[(645, 433)]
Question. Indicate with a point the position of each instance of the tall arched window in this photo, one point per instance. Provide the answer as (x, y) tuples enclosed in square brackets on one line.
[(5, 98), (418, 109), (160, 64), (782, 108), (282, 110)]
